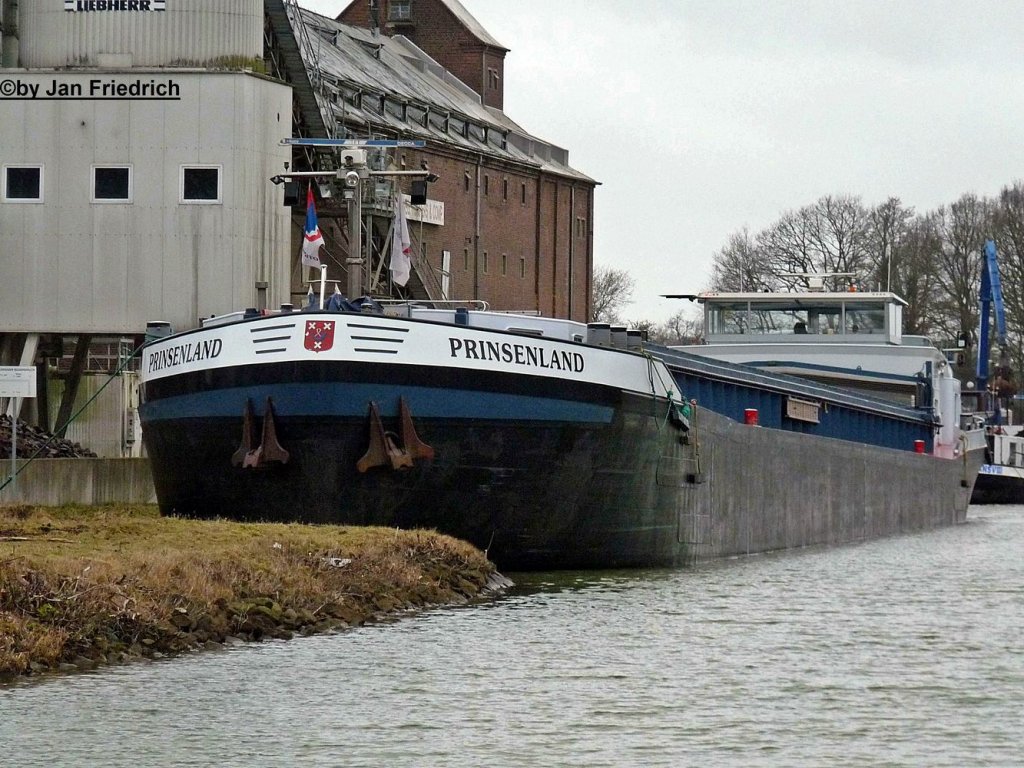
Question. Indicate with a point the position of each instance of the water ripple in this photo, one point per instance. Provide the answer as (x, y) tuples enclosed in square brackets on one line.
[(904, 652)]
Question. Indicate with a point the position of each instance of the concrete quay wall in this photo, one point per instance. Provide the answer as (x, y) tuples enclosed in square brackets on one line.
[(55, 482)]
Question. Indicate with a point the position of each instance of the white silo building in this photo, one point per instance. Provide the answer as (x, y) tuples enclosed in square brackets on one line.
[(138, 140)]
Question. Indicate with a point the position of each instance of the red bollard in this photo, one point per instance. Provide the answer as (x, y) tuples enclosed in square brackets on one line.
[(750, 417), (919, 446)]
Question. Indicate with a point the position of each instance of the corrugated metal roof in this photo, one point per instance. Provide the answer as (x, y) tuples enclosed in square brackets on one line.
[(388, 83)]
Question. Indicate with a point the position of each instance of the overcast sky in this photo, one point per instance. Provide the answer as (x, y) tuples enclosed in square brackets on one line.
[(701, 117)]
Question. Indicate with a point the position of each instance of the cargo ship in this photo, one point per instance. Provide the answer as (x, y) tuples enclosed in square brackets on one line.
[(547, 443)]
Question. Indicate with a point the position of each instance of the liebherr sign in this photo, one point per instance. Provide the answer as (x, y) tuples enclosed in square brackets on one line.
[(114, 5)]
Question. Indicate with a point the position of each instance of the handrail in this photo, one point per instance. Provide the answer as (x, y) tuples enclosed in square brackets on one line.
[(425, 271), (478, 304)]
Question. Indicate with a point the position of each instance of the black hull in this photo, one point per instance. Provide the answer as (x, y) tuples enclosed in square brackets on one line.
[(534, 497), (628, 494), (996, 489)]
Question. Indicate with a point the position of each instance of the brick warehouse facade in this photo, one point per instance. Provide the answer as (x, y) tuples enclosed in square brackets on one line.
[(518, 220), (445, 31)]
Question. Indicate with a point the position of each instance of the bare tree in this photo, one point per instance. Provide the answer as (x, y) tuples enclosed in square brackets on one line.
[(840, 236), (684, 327), (741, 265), (887, 228), (1009, 236), (963, 227), (788, 248), (914, 274), (932, 260), (612, 290)]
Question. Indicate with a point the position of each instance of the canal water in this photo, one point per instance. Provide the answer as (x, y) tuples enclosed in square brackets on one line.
[(902, 652)]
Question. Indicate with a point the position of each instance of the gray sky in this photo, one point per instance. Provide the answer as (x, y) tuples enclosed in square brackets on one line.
[(701, 117)]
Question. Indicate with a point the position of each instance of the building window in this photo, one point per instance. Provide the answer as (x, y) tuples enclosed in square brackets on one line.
[(522, 266), (400, 10), (23, 184), (492, 78), (487, 184), (466, 179), (504, 189), (485, 262), (524, 193), (111, 184), (200, 184), (465, 259), (581, 226), (504, 264)]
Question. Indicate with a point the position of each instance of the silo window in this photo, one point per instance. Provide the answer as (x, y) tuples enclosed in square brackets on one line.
[(200, 184), (111, 184), (23, 184)]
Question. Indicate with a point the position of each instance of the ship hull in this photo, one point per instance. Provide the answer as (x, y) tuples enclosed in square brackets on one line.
[(533, 496), (999, 484), (564, 470)]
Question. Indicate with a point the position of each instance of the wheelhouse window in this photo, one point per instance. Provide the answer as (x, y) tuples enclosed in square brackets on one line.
[(201, 184), (808, 317), (111, 184), (22, 184), (727, 318)]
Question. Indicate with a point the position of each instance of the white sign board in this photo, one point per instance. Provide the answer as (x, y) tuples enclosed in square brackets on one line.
[(17, 381), (431, 213)]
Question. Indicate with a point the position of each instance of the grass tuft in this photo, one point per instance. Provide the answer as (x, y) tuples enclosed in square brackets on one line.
[(87, 585)]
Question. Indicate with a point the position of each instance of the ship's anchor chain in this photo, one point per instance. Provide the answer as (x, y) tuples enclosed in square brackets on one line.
[(388, 449), (269, 451)]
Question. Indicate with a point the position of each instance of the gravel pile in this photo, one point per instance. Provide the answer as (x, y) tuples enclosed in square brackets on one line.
[(30, 439)]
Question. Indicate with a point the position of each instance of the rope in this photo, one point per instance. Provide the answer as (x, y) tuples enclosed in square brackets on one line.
[(652, 370)]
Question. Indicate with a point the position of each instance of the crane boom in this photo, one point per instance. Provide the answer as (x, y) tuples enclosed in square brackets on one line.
[(990, 299)]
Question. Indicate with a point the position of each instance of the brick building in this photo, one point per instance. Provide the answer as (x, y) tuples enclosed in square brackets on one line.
[(517, 218)]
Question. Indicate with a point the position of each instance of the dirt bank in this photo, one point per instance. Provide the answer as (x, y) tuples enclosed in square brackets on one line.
[(84, 586)]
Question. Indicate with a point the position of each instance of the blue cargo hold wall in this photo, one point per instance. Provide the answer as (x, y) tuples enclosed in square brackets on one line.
[(731, 390)]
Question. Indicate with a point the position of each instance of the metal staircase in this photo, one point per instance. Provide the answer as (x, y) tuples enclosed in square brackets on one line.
[(283, 49)]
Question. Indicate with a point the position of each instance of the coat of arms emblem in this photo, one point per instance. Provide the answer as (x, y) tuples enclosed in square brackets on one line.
[(319, 335)]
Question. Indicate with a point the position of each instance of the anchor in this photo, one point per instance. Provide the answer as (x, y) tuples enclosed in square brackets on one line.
[(387, 448), (269, 450)]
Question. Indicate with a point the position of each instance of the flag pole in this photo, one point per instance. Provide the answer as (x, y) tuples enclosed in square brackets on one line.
[(323, 283)]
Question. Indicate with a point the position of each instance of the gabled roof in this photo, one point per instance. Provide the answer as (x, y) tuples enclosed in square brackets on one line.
[(471, 24), (388, 83)]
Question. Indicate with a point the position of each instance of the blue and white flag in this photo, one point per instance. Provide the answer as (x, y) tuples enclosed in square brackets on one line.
[(313, 240)]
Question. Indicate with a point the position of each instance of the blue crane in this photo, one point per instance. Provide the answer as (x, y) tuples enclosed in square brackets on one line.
[(991, 299)]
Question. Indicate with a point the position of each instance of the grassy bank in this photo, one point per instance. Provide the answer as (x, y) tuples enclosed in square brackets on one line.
[(82, 586)]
